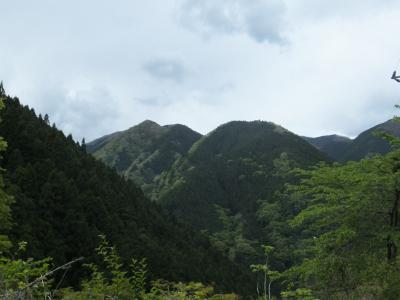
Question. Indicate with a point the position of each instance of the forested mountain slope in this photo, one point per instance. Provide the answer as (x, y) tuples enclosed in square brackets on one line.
[(368, 143), (333, 145), (229, 183), (144, 151), (343, 149), (234, 166), (64, 199)]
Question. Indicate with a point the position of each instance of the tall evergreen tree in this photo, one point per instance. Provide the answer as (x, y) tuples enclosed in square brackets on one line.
[(5, 199), (2, 91)]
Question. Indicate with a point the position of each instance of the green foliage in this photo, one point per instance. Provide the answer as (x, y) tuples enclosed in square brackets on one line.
[(269, 275), (24, 278), (230, 240), (350, 228), (168, 290), (298, 294), (115, 283)]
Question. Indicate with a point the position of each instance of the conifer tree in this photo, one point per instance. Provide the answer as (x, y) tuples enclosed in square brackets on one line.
[(2, 91), (83, 144), (5, 200)]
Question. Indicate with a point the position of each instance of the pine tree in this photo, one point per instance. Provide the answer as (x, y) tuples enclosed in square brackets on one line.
[(83, 144), (2, 91), (46, 119)]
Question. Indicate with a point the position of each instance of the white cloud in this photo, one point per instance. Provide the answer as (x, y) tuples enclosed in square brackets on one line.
[(262, 20), (98, 67), (165, 69), (92, 110)]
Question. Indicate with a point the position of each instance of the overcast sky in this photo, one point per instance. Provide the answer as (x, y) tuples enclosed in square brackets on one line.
[(313, 66)]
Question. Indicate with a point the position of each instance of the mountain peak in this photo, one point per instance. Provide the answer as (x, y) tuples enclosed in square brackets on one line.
[(147, 123), (146, 150), (257, 137), (250, 126)]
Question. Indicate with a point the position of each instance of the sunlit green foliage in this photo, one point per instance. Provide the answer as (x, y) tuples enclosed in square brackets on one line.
[(298, 294), (112, 282), (350, 228), (24, 278)]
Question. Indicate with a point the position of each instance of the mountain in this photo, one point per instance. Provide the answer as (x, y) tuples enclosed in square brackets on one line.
[(368, 143), (343, 149), (230, 184), (232, 167), (64, 199), (144, 151), (333, 145)]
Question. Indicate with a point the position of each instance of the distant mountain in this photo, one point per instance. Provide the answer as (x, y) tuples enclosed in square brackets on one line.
[(344, 149), (144, 151), (64, 199), (231, 167), (333, 145), (229, 182), (101, 142), (367, 143)]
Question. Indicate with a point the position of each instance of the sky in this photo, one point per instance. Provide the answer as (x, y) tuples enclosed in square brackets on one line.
[(315, 67)]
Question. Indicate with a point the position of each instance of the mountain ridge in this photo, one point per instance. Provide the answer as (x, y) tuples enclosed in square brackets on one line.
[(144, 151), (344, 149), (234, 147)]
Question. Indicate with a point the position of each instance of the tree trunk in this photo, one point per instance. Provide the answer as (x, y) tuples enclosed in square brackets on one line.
[(269, 290), (265, 279)]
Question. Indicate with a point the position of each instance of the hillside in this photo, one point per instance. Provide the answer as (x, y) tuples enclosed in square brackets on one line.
[(343, 149), (144, 151), (367, 143), (333, 145), (232, 167), (64, 199), (229, 183)]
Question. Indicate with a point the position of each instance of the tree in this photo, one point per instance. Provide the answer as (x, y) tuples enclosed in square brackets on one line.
[(231, 239), (269, 275), (2, 91), (46, 119), (350, 227), (83, 145)]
